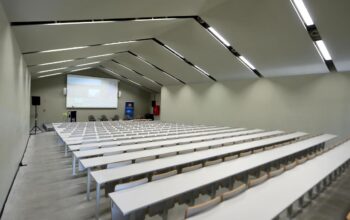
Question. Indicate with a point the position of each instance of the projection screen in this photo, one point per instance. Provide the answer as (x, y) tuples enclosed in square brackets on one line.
[(91, 92)]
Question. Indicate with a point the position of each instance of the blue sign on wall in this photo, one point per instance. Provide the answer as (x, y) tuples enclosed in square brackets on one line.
[(129, 110)]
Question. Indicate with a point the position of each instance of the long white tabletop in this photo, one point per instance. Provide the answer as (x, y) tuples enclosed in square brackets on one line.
[(104, 176), (104, 160), (142, 140), (133, 199), (281, 191)]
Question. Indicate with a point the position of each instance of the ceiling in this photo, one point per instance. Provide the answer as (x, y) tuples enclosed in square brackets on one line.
[(268, 33)]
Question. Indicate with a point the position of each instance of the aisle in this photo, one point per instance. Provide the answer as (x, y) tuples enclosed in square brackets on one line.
[(45, 188)]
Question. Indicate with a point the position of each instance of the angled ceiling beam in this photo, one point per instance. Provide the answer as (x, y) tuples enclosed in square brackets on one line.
[(196, 18)]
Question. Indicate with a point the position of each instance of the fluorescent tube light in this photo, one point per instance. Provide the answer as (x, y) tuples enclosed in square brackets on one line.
[(45, 71), (76, 70), (53, 74), (63, 61), (102, 55), (174, 51), (323, 49), (303, 12), (201, 70), (245, 61), (221, 38), (63, 49), (122, 42), (86, 64)]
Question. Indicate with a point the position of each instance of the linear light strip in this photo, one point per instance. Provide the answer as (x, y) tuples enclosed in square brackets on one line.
[(245, 61), (52, 70), (219, 37), (86, 64), (314, 34), (102, 55), (138, 73), (48, 75), (80, 69), (154, 66), (57, 62)]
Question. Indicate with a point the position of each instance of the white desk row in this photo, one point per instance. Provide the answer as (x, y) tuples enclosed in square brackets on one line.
[(147, 139), (113, 175), (281, 191), (130, 200), (105, 160), (78, 155)]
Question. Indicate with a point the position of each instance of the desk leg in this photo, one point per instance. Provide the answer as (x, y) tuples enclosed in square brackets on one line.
[(88, 185), (97, 200), (74, 164), (65, 150)]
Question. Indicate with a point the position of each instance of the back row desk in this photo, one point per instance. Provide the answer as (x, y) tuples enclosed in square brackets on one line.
[(77, 142), (110, 175), (78, 155), (131, 200), (101, 161), (281, 191), (147, 139)]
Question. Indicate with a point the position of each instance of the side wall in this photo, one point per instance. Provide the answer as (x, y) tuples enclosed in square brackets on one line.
[(304, 103), (14, 106), (53, 101)]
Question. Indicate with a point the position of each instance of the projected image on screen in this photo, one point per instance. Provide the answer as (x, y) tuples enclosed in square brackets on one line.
[(91, 92)]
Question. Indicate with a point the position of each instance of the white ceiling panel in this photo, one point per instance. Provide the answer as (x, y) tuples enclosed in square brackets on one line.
[(48, 37), (132, 76), (164, 59), (151, 72), (332, 20), (205, 51), (40, 58), (44, 10), (269, 34)]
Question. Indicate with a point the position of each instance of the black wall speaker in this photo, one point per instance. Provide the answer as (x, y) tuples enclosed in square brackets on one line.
[(35, 100), (153, 103)]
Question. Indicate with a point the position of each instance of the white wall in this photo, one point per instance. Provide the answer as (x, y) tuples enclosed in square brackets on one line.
[(14, 106), (306, 103)]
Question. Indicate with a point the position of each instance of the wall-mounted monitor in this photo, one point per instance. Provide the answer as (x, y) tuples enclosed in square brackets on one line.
[(91, 92)]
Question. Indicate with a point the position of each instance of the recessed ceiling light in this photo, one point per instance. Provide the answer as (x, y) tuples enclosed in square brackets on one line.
[(201, 70), (86, 64), (174, 51), (45, 71), (53, 74), (323, 49), (303, 12), (221, 38), (122, 42), (85, 22), (76, 70), (63, 49), (63, 61), (245, 61), (102, 55)]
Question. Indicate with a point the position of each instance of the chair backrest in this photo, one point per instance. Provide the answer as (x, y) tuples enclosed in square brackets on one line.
[(191, 168), (186, 151), (120, 164), (139, 160), (258, 150), (87, 148), (212, 162), (131, 184), (234, 192), (167, 155), (256, 181), (276, 172), (232, 157), (290, 165), (302, 160), (194, 210), (112, 153), (245, 153), (163, 175)]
